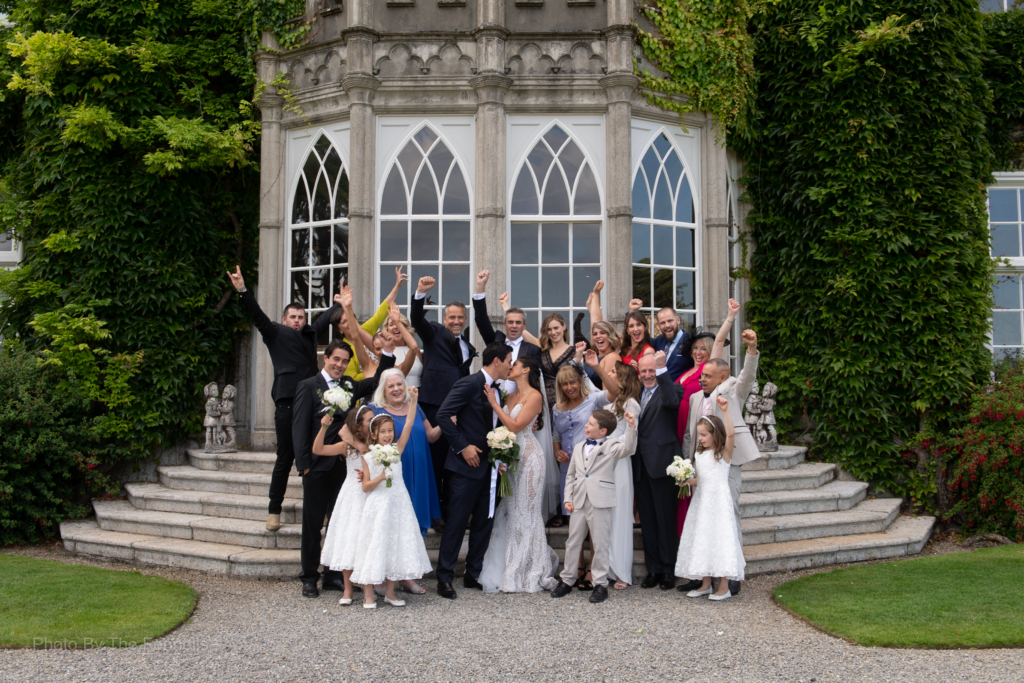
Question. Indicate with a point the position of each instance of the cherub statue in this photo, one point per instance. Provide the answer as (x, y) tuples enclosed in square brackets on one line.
[(753, 407), (766, 436), (227, 419), (212, 419)]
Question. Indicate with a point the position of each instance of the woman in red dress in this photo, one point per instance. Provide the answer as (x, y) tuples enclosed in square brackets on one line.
[(636, 338)]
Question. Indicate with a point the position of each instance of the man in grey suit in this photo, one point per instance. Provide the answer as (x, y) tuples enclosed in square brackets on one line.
[(715, 381)]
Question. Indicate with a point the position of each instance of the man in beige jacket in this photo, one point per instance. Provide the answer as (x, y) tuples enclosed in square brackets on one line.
[(590, 498)]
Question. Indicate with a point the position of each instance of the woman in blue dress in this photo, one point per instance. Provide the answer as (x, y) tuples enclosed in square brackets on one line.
[(392, 397)]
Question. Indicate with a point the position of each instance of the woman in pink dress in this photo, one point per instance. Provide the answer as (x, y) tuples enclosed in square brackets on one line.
[(701, 350)]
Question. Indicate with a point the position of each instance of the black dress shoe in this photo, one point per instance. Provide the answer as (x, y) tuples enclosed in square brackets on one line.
[(561, 590), (650, 581), (667, 583), (600, 594), (445, 590), (734, 587), (333, 584), (689, 586), (469, 582), (309, 589)]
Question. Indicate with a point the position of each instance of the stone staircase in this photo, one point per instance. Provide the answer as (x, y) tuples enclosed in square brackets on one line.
[(210, 515)]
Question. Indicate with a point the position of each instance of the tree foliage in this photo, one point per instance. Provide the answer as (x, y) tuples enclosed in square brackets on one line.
[(866, 166)]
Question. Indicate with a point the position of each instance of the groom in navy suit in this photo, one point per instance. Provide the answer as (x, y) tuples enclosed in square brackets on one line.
[(469, 486)]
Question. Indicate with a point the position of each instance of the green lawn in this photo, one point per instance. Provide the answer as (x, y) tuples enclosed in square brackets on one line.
[(47, 603), (971, 599)]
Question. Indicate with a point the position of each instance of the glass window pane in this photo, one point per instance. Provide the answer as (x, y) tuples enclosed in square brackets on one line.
[(332, 164), (455, 283), (341, 196), (456, 241), (587, 201), (441, 158), (300, 287), (571, 158), (663, 251), (524, 197), (662, 144), (556, 137), (424, 241), (688, 321), (525, 291), (651, 164), (410, 159), (533, 322), (310, 169), (415, 273), (554, 246), (339, 276), (456, 195), (394, 240), (387, 281), (586, 243), (663, 290), (686, 290), (662, 199), (322, 145), (394, 201), (300, 248), (425, 136), (6, 242), (583, 281), (674, 168), (540, 159), (340, 244), (300, 205), (641, 202), (684, 247), (1006, 328), (1013, 352), (322, 246), (684, 202), (1006, 240), (319, 285), (556, 194), (555, 286), (424, 197), (1006, 291), (641, 243), (642, 284), (322, 199), (524, 243), (1002, 206)]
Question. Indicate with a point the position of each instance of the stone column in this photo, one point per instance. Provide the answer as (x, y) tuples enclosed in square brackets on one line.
[(272, 245), (715, 212)]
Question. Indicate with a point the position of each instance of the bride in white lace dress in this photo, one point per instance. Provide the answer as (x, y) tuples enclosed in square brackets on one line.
[(518, 558)]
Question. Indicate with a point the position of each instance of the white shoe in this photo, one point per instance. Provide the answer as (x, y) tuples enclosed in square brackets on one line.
[(370, 605), (394, 603), (724, 596), (345, 602), (697, 593), (273, 522)]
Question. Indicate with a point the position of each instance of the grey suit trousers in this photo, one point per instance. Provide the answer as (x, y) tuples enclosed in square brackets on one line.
[(599, 522), (735, 486)]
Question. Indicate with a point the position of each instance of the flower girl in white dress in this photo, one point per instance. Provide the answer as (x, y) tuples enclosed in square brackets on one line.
[(339, 552), (711, 544), (390, 547)]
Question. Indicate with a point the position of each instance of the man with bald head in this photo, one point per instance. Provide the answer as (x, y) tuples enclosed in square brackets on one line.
[(715, 381), (655, 492)]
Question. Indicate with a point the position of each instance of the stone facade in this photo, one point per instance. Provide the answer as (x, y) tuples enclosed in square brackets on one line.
[(487, 77)]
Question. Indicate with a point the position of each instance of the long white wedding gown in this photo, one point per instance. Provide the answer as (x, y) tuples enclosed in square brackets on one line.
[(518, 558)]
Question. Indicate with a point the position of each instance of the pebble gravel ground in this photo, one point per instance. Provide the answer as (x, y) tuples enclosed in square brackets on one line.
[(264, 631)]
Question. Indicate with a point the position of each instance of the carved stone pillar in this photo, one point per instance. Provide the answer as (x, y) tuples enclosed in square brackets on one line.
[(619, 89), (715, 205)]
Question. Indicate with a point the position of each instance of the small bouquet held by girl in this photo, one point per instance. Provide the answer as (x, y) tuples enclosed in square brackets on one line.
[(504, 454), (682, 471), (385, 456), (336, 400)]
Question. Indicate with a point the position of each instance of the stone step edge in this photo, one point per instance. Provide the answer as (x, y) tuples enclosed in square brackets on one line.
[(184, 519), (156, 491)]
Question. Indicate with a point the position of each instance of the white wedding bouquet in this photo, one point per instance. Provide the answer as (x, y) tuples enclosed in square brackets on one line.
[(504, 449), (387, 456), (335, 400), (682, 471)]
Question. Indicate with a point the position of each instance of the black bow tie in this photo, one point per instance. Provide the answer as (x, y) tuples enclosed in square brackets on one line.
[(592, 442), (496, 385)]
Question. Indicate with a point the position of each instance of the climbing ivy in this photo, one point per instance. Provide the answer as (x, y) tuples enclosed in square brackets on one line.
[(1004, 72)]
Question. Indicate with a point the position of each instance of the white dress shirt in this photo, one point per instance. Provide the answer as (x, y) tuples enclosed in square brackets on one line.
[(462, 342), (489, 381), (331, 382)]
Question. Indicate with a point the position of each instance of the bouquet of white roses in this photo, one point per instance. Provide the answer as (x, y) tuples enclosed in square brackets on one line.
[(682, 471), (504, 449), (336, 399), (387, 456)]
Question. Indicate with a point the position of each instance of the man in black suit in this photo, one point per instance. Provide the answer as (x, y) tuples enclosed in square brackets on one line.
[(447, 355), (323, 475), (469, 483), (656, 492), (292, 347), (515, 325)]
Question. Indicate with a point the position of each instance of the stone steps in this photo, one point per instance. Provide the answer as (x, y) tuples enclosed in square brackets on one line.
[(256, 462), (869, 516), (784, 458), (807, 475), (835, 495), (188, 478), (158, 497)]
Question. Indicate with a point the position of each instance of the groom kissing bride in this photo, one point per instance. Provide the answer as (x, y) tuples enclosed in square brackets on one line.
[(508, 548)]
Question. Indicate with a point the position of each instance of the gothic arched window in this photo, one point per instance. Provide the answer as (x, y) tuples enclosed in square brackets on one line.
[(425, 221), (555, 231), (318, 230), (664, 233)]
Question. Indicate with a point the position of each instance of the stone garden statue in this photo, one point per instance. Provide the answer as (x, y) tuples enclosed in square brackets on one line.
[(219, 419), (760, 417)]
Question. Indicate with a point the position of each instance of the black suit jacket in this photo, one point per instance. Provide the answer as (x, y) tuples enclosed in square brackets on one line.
[(308, 410), (657, 434), (475, 418), (293, 352), (442, 356), (489, 335)]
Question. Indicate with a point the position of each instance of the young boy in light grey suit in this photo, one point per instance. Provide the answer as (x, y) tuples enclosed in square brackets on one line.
[(590, 498)]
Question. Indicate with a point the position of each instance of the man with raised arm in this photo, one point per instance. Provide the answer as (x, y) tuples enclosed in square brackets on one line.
[(515, 325), (292, 347)]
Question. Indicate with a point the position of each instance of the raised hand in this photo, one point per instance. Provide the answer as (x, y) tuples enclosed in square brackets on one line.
[(590, 357), (326, 420), (631, 420), (504, 301), (734, 308), (414, 396), (581, 347), (749, 337), (400, 277), (395, 314), (345, 297), (387, 341), (237, 281), (659, 359), (598, 286), (723, 404), (481, 280), (425, 284), (635, 304)]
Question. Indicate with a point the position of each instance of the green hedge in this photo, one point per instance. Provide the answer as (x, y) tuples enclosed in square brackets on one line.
[(866, 166)]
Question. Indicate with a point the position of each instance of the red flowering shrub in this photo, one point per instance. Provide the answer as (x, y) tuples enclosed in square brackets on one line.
[(984, 461)]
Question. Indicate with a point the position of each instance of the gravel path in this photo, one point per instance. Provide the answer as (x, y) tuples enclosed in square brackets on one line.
[(256, 631)]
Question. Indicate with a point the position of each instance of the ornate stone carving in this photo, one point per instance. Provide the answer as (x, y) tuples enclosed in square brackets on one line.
[(219, 419), (760, 417), (557, 57), (317, 68), (445, 59)]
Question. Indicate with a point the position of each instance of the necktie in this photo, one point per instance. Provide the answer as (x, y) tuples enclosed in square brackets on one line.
[(646, 399)]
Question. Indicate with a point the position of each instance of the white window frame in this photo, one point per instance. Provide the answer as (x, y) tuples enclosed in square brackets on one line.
[(1010, 265), (11, 259)]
